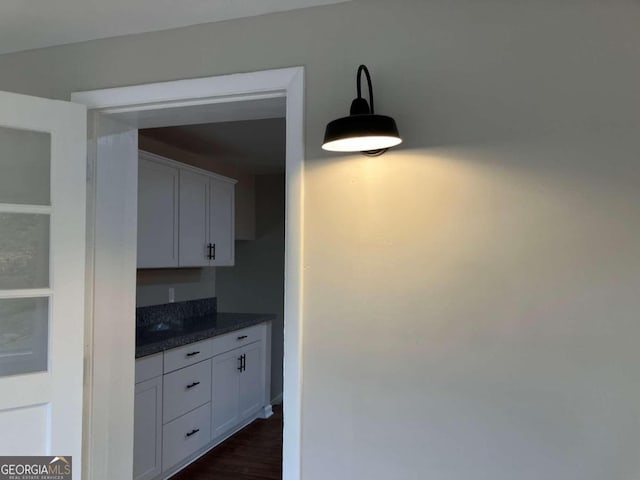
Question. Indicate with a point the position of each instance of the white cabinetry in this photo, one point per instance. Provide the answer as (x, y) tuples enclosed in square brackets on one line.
[(157, 214), (147, 428), (190, 398), (186, 389), (186, 216), (186, 355), (224, 414), (194, 209), (238, 386), (221, 218), (251, 380), (186, 435)]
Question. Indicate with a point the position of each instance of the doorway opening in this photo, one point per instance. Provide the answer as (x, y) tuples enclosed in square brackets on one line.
[(115, 118), (244, 285)]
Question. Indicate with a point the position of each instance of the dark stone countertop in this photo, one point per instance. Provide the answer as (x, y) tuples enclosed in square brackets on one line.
[(161, 336)]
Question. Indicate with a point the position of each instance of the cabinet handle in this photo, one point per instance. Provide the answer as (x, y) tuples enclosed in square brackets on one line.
[(240, 359), (193, 432), (191, 354), (210, 256), (193, 384), (244, 362), (242, 337), (214, 252)]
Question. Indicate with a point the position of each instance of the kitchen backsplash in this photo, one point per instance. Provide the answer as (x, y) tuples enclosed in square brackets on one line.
[(172, 312)]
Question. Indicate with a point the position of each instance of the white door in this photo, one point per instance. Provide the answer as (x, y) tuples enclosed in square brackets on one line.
[(225, 372), (42, 268), (194, 211), (252, 380), (222, 223)]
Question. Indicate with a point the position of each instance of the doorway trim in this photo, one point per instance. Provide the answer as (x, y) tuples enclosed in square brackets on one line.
[(99, 437)]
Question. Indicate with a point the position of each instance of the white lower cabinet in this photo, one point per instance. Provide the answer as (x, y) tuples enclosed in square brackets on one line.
[(238, 387), (147, 429), (186, 435), (186, 389), (225, 393), (208, 390), (252, 381)]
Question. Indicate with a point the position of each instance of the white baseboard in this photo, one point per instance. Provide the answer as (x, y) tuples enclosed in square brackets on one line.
[(267, 411)]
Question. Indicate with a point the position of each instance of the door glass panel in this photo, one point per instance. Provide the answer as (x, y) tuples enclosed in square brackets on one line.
[(24, 251), (24, 324), (25, 164)]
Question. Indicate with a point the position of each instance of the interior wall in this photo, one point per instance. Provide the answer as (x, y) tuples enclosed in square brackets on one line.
[(256, 283), (152, 285), (471, 298)]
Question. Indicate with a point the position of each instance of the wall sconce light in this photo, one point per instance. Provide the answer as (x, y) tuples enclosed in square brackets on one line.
[(362, 131)]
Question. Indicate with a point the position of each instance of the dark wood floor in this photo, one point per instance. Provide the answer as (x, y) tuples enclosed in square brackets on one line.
[(254, 453)]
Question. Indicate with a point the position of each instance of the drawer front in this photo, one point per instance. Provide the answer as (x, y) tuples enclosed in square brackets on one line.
[(148, 367), (188, 355), (185, 435), (237, 339), (186, 389)]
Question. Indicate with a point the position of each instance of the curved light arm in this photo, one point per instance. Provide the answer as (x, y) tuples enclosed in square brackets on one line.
[(363, 68)]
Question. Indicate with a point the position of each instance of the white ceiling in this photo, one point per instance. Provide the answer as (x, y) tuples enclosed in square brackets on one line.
[(28, 24)]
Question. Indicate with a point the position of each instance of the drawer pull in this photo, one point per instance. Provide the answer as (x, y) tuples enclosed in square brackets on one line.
[(193, 385), (242, 337), (193, 432), (191, 354)]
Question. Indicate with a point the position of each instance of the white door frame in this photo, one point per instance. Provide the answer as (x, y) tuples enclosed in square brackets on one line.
[(102, 436)]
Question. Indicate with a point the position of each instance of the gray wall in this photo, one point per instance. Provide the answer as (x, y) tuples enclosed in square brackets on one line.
[(152, 286), (256, 283), (470, 299)]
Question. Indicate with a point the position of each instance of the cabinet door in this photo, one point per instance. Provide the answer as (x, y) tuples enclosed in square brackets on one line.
[(252, 380), (225, 375), (157, 215), (194, 219), (222, 222), (147, 430)]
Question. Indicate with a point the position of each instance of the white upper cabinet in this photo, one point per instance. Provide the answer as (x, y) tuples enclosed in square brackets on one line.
[(157, 214), (186, 216), (221, 223), (194, 219)]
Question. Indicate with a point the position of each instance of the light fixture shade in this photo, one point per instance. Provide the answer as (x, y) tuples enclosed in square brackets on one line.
[(363, 130), (361, 133)]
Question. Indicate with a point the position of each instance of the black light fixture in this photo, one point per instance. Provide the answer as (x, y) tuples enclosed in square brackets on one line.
[(362, 131)]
